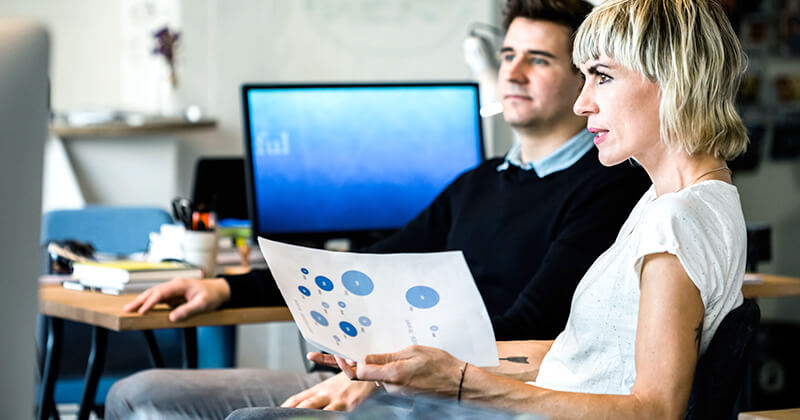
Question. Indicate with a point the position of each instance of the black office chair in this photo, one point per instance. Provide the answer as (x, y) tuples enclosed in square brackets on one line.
[(720, 373)]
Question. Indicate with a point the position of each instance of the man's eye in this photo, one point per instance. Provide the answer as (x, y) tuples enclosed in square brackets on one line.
[(538, 61), (508, 57)]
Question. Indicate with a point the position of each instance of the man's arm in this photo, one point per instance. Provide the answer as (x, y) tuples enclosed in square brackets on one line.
[(188, 297), (254, 288)]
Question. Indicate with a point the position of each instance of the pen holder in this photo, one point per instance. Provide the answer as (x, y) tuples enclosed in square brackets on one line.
[(200, 249)]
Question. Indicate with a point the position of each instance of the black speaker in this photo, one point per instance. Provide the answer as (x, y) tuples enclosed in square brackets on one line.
[(775, 379)]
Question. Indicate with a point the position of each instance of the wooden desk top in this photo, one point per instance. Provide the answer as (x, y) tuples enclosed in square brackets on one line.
[(792, 413), (773, 286), (106, 311)]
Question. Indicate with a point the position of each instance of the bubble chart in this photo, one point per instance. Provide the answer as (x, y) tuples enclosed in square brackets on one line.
[(422, 297), (321, 320), (324, 283), (348, 328), (357, 283)]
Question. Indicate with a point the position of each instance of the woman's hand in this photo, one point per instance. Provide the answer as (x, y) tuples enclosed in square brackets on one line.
[(187, 296), (414, 369)]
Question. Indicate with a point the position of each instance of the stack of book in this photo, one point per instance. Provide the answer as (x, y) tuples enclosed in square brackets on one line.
[(117, 277)]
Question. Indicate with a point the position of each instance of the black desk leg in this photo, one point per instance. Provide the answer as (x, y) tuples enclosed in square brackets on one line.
[(190, 348), (55, 328), (155, 354), (97, 358)]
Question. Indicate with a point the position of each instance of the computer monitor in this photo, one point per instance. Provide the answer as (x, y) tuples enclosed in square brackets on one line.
[(353, 161), (219, 186), (24, 48)]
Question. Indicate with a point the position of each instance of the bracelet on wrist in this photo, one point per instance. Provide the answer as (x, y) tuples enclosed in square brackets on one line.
[(461, 382)]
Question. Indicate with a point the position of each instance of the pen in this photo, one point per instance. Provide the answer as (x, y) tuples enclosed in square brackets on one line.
[(182, 211)]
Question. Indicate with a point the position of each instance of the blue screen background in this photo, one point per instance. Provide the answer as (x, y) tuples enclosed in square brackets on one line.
[(357, 158)]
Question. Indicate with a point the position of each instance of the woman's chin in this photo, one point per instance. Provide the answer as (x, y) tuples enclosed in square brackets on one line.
[(609, 160)]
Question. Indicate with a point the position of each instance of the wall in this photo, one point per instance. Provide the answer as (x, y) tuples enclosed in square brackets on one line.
[(98, 61)]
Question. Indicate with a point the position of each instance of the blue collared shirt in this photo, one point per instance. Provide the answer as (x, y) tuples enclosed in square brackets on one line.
[(562, 158)]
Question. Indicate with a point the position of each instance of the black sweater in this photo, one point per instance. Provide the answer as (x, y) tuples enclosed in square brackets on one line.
[(527, 240)]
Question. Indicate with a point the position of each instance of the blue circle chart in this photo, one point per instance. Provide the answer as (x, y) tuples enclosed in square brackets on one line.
[(357, 283), (364, 321), (304, 270), (342, 304), (434, 328), (325, 305), (324, 283), (422, 297), (304, 290), (321, 320), (348, 328)]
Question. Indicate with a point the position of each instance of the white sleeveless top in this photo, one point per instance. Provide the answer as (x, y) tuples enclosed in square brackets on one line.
[(704, 227)]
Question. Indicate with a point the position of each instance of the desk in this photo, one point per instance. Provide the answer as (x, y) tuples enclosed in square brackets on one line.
[(103, 313), (789, 414), (773, 286)]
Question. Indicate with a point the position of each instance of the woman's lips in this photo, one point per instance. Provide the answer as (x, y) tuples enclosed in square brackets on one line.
[(599, 135)]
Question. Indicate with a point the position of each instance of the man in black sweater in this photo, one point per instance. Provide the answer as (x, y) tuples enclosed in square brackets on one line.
[(529, 225)]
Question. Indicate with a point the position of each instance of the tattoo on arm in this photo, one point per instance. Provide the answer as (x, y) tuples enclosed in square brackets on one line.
[(699, 332), (518, 359)]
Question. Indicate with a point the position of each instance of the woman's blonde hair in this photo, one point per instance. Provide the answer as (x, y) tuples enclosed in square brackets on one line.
[(690, 50)]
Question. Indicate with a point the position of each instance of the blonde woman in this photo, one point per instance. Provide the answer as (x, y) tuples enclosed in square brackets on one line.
[(660, 78)]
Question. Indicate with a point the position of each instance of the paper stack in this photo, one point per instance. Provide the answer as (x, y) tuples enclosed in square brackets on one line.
[(124, 276)]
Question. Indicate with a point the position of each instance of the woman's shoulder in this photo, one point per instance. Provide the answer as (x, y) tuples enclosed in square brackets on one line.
[(698, 205)]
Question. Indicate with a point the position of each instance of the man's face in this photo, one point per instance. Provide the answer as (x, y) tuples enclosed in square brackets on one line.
[(537, 83)]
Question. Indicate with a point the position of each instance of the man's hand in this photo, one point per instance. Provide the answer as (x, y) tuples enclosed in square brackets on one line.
[(187, 296), (337, 393)]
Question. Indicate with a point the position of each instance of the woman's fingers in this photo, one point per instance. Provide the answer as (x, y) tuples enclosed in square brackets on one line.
[(348, 367), (322, 359)]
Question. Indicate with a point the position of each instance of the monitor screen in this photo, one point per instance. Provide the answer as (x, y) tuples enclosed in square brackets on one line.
[(333, 160)]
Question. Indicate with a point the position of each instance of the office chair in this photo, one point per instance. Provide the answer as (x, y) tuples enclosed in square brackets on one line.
[(121, 230), (721, 371)]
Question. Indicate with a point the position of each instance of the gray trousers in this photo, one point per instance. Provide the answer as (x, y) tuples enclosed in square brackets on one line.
[(203, 393)]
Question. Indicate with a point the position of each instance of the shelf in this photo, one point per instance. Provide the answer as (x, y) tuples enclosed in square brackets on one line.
[(122, 128)]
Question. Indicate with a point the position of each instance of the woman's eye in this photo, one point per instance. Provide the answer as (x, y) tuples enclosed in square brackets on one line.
[(603, 78)]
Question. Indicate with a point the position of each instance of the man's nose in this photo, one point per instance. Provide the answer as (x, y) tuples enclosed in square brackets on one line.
[(516, 71)]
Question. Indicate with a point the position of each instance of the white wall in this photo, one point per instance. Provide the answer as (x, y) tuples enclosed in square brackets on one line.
[(98, 61)]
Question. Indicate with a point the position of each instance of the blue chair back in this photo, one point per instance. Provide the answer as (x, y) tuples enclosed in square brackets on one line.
[(720, 373), (113, 230), (122, 230)]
